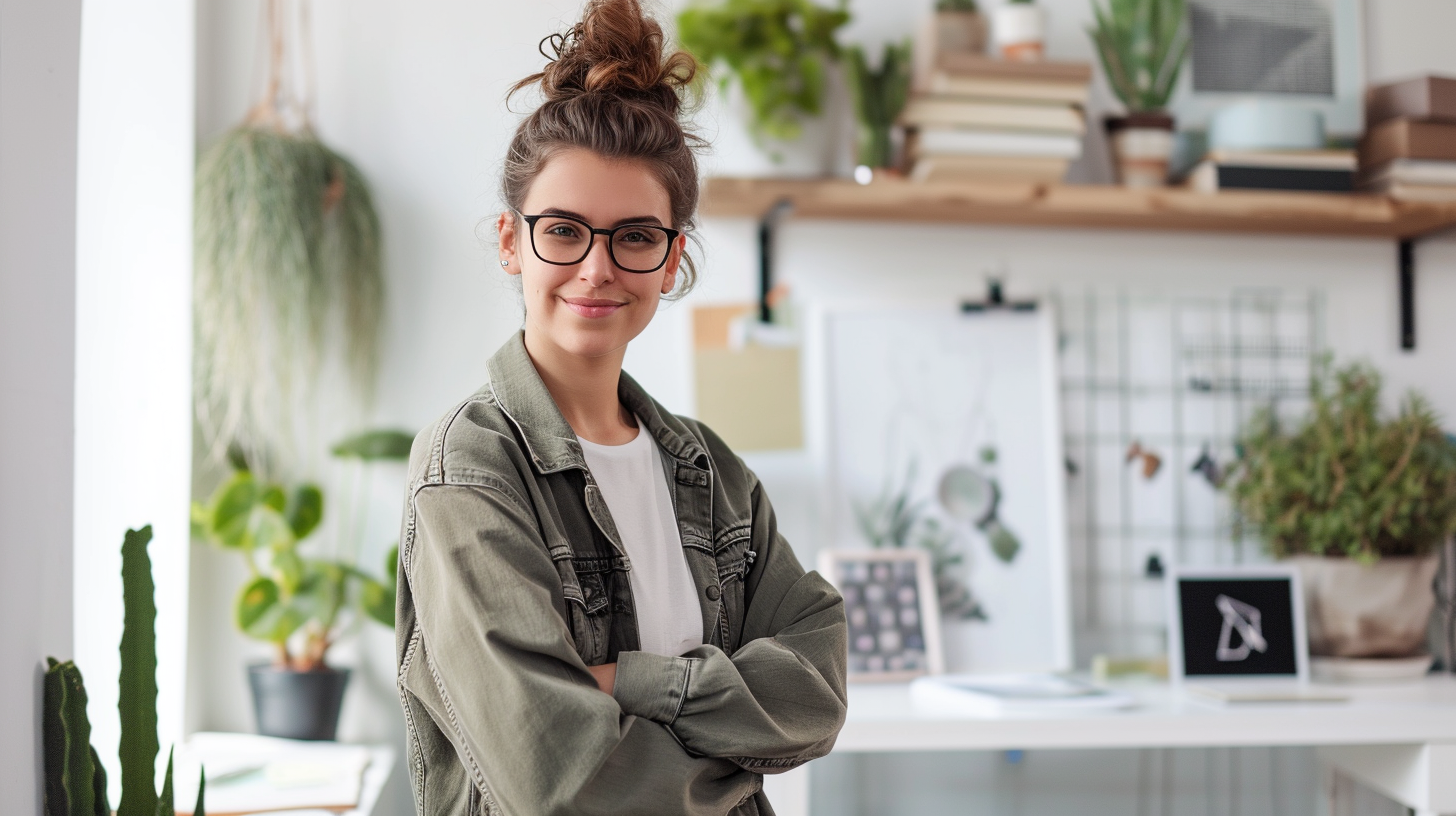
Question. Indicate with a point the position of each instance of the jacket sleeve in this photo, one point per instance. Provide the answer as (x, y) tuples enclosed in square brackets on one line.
[(497, 670), (779, 701)]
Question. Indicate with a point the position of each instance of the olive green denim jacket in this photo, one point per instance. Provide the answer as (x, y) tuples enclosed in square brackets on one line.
[(513, 580)]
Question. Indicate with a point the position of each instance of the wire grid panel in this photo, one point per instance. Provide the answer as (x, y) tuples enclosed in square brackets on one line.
[(1154, 390)]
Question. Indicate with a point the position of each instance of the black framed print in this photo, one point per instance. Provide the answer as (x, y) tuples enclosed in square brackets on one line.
[(893, 614), (1234, 623)]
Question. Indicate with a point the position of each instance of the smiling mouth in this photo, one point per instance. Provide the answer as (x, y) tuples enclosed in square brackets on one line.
[(593, 307)]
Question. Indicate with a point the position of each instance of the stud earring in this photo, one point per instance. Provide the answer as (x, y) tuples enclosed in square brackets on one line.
[(505, 262)]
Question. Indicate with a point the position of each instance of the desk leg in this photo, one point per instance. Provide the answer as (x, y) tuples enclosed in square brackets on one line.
[(1421, 777), (788, 792)]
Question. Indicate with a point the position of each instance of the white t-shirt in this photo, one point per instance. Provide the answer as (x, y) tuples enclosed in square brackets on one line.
[(634, 484)]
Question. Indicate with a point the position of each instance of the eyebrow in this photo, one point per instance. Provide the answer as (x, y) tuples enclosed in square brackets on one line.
[(636, 219)]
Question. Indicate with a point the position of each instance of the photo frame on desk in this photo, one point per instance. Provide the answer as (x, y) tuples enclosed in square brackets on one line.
[(894, 618), (1237, 624)]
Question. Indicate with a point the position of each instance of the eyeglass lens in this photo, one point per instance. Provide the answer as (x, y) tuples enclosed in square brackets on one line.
[(635, 248)]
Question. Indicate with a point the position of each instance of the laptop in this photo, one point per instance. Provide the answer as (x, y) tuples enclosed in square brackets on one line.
[(1237, 635)]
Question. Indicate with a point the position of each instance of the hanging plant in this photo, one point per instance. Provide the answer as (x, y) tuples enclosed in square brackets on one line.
[(287, 266)]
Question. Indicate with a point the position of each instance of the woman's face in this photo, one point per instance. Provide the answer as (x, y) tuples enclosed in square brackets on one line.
[(592, 308)]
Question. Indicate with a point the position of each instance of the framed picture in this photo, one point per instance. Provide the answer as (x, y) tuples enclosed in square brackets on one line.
[(894, 622), (1239, 623), (960, 413), (1302, 51)]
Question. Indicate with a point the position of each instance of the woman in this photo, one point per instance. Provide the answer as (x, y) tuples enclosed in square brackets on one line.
[(596, 611)]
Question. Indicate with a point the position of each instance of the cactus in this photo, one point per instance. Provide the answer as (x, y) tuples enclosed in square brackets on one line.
[(75, 780), (138, 698)]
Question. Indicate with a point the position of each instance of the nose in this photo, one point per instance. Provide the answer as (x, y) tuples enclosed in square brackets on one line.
[(597, 268)]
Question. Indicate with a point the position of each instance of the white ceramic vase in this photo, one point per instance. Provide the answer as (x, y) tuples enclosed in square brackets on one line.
[(1019, 31), (1367, 610)]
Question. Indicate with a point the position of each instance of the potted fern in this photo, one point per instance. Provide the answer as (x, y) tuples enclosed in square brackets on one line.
[(1141, 44), (778, 55), (295, 599), (1360, 503)]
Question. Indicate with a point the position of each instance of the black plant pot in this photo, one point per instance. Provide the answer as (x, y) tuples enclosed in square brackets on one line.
[(295, 704)]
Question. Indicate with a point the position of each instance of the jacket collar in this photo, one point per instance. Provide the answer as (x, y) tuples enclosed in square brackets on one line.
[(552, 445)]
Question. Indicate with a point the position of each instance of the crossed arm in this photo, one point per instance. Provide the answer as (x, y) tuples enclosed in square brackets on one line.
[(676, 735)]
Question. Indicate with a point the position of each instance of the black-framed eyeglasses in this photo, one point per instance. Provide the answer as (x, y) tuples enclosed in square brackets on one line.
[(564, 240)]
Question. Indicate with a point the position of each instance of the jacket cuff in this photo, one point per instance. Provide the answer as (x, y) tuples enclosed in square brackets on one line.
[(651, 686)]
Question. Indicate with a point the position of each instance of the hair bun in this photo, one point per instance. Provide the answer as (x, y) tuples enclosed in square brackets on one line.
[(615, 50)]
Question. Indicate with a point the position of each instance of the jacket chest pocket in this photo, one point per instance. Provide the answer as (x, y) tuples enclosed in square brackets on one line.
[(734, 558), (589, 610)]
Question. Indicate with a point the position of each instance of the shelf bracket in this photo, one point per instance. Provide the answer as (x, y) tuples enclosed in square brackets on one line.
[(767, 229), (1406, 249)]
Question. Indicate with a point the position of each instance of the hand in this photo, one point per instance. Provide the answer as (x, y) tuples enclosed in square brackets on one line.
[(606, 676)]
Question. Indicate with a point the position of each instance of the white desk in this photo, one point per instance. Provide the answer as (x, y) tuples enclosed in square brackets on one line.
[(1398, 739)]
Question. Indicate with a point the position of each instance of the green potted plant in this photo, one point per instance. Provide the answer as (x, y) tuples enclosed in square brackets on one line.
[(1360, 503), (959, 27), (778, 53), (294, 599), (1019, 30), (879, 96), (1141, 44)]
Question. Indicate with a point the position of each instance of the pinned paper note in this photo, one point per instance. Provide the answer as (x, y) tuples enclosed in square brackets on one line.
[(747, 379)]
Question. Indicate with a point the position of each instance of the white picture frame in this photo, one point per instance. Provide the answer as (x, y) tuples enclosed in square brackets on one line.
[(1027, 603), (874, 583), (1214, 578)]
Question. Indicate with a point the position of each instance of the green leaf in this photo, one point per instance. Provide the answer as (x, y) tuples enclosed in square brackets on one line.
[(384, 444), (232, 505), (377, 601), (256, 606), (306, 510), (198, 809), (289, 568), (164, 802)]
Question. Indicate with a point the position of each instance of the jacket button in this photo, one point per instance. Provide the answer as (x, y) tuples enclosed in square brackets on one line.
[(713, 592)]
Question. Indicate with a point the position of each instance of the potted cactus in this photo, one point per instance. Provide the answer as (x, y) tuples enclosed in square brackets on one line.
[(1141, 44), (879, 96), (75, 781), (1359, 503), (296, 600)]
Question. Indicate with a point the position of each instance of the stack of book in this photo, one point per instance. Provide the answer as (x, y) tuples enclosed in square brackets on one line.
[(1328, 171), (974, 118), (1409, 150)]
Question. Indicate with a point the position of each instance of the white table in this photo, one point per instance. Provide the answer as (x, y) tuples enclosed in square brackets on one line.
[(1398, 739)]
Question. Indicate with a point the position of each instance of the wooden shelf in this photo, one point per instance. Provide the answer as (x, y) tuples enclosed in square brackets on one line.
[(1080, 206)]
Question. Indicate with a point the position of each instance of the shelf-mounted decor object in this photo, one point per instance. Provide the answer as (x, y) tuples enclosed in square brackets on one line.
[(879, 96), (287, 265), (1141, 44), (1018, 27)]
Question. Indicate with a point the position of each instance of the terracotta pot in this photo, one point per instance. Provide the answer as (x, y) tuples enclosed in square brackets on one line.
[(1142, 145), (1359, 610), (960, 32), (1019, 30)]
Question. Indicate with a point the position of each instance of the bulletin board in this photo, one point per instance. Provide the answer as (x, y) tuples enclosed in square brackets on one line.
[(929, 388)]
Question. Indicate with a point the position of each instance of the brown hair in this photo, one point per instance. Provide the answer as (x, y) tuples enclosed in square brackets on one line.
[(609, 89)]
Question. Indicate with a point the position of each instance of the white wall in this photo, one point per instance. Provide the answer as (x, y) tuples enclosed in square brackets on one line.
[(416, 99), (39, 47), (133, 342)]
